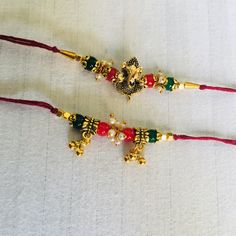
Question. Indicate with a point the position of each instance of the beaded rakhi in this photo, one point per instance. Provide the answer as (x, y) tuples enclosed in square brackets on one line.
[(129, 79), (114, 130)]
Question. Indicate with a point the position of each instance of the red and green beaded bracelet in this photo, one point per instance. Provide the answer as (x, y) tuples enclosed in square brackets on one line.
[(116, 131), (129, 80)]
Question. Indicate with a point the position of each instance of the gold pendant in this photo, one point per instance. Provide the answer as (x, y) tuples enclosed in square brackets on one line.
[(79, 145), (129, 80), (135, 154)]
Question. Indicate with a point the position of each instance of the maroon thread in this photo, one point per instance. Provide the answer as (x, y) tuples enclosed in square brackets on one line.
[(45, 105), (202, 138), (28, 42), (223, 89), (33, 43)]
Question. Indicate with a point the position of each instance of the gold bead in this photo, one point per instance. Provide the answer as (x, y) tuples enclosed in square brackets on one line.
[(170, 137), (79, 152), (126, 158), (66, 115), (142, 161), (72, 145)]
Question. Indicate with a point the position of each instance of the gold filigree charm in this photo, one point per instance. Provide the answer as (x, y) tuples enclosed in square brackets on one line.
[(89, 128), (115, 133), (135, 154), (129, 80), (79, 145)]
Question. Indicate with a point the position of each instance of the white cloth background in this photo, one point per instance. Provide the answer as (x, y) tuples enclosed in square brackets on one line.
[(187, 188)]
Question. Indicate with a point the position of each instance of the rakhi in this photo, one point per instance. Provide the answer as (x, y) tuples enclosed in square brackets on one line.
[(129, 80), (116, 131)]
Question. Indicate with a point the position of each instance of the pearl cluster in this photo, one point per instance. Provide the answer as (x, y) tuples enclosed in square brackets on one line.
[(115, 133)]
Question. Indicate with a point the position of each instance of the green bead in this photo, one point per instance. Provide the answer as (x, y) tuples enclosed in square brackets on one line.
[(78, 122), (152, 134), (170, 83), (91, 62)]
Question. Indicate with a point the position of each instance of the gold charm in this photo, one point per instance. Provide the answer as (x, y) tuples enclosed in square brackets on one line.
[(141, 138), (135, 155), (79, 145), (89, 128), (129, 80), (115, 133)]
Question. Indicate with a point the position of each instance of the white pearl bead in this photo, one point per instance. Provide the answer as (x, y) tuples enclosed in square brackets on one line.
[(163, 137), (111, 133), (112, 120), (121, 136)]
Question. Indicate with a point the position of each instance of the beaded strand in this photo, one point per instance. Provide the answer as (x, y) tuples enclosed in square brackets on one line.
[(115, 131), (129, 79)]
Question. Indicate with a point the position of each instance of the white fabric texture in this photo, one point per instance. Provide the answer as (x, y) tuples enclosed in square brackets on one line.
[(186, 188)]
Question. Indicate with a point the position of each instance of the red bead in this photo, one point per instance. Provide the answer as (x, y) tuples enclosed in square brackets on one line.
[(129, 133), (103, 128), (111, 74), (150, 81)]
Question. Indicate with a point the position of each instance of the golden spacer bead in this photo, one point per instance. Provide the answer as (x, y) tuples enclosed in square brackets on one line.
[(66, 115), (142, 161), (72, 145)]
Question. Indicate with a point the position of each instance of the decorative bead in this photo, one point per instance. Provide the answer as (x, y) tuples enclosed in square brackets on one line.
[(152, 133), (91, 62), (103, 128), (66, 115), (163, 137), (141, 136), (77, 121), (129, 134), (112, 120), (142, 161), (170, 83), (111, 74), (121, 136), (149, 80), (111, 133), (90, 126)]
